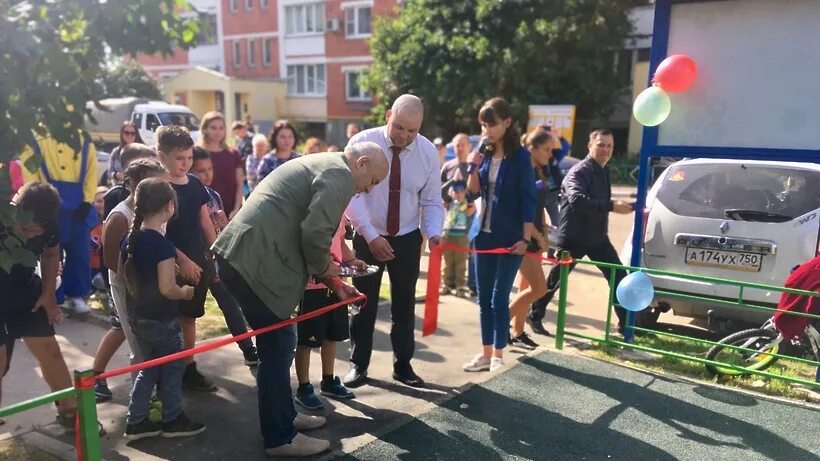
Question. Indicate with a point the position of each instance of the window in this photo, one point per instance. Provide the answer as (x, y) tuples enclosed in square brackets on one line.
[(136, 117), (248, 5), (233, 5), (152, 122), (306, 80), (267, 45), (237, 58), (357, 22), (185, 119), (251, 52), (207, 29), (353, 91), (305, 19), (263, 4), (709, 190)]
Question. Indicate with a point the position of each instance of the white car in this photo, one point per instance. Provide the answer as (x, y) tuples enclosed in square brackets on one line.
[(103, 159), (733, 219)]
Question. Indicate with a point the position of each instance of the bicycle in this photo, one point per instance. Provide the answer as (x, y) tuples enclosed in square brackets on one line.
[(753, 349)]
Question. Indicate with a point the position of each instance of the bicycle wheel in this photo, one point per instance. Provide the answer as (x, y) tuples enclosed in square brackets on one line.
[(758, 347)]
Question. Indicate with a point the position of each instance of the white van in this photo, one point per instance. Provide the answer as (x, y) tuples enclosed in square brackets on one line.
[(150, 116), (146, 115)]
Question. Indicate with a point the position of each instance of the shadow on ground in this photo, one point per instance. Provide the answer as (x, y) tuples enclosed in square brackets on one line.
[(556, 406)]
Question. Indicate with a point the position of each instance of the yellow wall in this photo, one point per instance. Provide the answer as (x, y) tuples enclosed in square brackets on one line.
[(265, 99), (201, 102), (307, 109), (641, 75)]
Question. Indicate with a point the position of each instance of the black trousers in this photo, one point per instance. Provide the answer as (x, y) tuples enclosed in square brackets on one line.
[(403, 271), (603, 252)]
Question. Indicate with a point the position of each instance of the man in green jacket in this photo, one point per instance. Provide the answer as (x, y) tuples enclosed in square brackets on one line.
[(281, 236)]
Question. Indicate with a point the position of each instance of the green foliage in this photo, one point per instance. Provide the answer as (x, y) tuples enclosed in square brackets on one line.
[(456, 55), (53, 59), (130, 79)]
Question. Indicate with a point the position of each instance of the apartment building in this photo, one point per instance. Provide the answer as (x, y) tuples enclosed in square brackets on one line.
[(317, 47)]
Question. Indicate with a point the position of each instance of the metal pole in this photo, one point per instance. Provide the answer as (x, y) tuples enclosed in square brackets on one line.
[(562, 300), (87, 412), (608, 326)]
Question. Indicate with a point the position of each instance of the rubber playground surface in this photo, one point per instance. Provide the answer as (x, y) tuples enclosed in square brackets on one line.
[(555, 406)]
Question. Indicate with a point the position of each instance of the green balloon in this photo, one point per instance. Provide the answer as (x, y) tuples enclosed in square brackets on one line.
[(652, 106)]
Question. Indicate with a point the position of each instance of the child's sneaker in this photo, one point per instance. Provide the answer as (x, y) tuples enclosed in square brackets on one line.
[(335, 389), (142, 430), (181, 427), (78, 305), (307, 398), (251, 357), (194, 381), (102, 392), (496, 363)]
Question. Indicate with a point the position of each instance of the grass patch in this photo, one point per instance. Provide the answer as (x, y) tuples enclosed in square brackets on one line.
[(212, 324), (698, 371), (19, 451)]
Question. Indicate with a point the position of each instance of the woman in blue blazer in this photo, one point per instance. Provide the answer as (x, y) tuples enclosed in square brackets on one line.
[(502, 173)]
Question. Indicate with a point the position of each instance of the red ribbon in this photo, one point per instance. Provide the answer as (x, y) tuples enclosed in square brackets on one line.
[(434, 279), (219, 343)]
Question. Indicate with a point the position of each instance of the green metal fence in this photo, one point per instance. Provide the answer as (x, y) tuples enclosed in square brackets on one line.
[(87, 437), (608, 340)]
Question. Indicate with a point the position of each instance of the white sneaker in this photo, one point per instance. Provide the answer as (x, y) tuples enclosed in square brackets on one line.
[(305, 422), (79, 306), (496, 363), (301, 445), (479, 363)]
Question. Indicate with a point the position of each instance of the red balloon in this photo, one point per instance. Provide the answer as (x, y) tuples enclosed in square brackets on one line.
[(676, 73)]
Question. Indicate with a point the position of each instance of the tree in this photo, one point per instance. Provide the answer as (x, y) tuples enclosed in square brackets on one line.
[(52, 62), (130, 79), (455, 55)]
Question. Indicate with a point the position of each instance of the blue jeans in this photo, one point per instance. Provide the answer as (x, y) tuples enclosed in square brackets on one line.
[(471, 278), (156, 339), (496, 274), (75, 241), (276, 351)]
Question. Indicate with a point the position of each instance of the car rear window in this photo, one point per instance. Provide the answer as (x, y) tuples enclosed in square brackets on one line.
[(708, 190)]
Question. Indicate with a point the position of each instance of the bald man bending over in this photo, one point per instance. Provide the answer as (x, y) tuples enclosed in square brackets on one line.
[(387, 235), (265, 255)]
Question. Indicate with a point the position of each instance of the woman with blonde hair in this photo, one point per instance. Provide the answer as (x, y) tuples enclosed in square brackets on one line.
[(229, 173), (314, 145), (532, 283)]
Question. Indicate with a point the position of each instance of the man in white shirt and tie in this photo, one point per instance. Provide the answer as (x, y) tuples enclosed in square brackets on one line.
[(387, 235)]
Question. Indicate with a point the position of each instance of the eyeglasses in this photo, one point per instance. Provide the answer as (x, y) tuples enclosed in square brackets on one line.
[(129, 133)]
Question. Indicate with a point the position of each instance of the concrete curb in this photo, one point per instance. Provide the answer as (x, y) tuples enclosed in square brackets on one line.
[(50, 445)]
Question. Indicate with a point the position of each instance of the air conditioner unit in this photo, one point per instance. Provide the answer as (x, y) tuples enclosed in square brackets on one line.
[(332, 25)]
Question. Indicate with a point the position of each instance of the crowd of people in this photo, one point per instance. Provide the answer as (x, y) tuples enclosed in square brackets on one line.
[(265, 229)]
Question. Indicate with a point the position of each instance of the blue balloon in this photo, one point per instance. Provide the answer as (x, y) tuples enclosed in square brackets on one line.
[(635, 292)]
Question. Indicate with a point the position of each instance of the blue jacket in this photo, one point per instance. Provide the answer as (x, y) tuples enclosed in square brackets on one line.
[(513, 200)]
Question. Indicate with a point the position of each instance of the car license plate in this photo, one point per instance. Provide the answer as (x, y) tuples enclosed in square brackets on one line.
[(735, 260)]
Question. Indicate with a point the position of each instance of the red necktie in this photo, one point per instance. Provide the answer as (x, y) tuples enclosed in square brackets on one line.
[(395, 193)]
